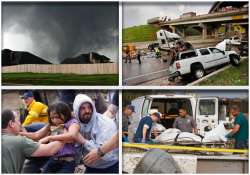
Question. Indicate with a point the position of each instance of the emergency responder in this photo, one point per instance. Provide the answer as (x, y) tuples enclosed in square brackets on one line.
[(185, 122), (127, 113), (240, 129), (36, 113), (143, 132)]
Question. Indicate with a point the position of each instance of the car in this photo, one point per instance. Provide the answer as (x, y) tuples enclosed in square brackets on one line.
[(152, 46), (197, 61)]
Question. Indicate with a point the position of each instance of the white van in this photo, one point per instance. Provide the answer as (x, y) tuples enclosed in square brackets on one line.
[(206, 110)]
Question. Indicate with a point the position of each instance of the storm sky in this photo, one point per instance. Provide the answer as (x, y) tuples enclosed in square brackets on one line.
[(57, 30), (138, 13)]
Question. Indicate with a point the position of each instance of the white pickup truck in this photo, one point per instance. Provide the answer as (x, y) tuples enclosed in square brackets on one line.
[(196, 61)]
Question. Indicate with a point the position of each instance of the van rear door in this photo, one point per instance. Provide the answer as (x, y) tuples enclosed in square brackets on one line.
[(142, 106), (207, 114)]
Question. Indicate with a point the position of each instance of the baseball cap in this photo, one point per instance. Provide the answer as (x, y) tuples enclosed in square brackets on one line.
[(27, 95), (157, 114), (131, 107)]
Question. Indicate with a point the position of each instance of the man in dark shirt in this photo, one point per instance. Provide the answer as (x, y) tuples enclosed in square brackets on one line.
[(138, 56), (143, 131), (127, 113), (240, 130), (184, 122)]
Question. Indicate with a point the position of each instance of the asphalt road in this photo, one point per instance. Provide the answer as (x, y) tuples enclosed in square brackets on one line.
[(152, 71), (151, 68)]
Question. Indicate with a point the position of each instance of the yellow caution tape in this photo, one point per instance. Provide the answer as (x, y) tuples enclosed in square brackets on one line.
[(187, 148)]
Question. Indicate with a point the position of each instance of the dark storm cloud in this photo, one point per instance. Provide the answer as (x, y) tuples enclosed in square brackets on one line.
[(64, 29)]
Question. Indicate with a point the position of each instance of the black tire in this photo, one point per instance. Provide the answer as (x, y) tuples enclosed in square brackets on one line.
[(198, 71), (150, 47), (171, 79), (235, 60)]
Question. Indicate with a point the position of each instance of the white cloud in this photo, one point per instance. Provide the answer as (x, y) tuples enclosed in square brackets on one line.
[(16, 41), (181, 8)]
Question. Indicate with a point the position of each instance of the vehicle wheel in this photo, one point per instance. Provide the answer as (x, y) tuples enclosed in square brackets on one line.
[(171, 79), (150, 47), (235, 60), (198, 72)]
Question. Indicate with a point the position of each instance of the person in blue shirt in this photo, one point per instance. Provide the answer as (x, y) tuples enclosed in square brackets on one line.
[(143, 131), (240, 130)]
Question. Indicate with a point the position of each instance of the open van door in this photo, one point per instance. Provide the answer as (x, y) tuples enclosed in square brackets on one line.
[(142, 106), (207, 114)]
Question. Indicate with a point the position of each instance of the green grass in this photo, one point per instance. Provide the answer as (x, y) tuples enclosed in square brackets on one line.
[(58, 79), (139, 33), (233, 76)]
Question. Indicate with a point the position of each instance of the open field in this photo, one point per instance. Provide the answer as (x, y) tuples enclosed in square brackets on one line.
[(58, 79), (234, 76)]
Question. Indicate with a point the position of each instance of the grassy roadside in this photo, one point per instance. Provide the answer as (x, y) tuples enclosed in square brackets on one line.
[(139, 33), (233, 76), (58, 79)]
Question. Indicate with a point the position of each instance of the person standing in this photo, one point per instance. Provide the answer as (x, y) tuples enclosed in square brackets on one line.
[(138, 56), (143, 132), (185, 122), (127, 113), (240, 129)]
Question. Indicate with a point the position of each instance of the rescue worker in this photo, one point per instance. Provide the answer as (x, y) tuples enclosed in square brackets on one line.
[(143, 132), (138, 56), (240, 129), (126, 115), (157, 52), (36, 113), (185, 122), (127, 57)]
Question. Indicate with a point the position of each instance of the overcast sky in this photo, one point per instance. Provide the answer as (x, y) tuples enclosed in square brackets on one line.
[(138, 13), (55, 31)]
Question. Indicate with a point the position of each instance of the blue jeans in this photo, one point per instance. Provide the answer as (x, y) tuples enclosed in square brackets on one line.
[(139, 140), (59, 166), (125, 139), (241, 144), (35, 126), (114, 169), (34, 165)]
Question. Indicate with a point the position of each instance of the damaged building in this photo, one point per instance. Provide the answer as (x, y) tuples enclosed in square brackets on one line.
[(90, 58)]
